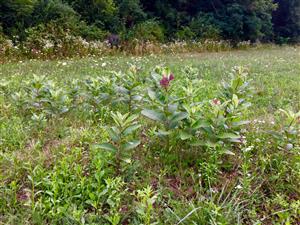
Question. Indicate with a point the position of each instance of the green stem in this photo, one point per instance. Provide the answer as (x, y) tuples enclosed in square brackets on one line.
[(165, 108), (118, 158), (130, 102)]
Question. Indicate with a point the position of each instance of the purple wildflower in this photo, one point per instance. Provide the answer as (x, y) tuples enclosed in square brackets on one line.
[(171, 77), (165, 81)]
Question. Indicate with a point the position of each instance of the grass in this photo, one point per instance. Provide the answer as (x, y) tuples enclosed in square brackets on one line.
[(52, 173)]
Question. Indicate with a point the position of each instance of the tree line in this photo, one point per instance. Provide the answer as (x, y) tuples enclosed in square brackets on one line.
[(156, 20)]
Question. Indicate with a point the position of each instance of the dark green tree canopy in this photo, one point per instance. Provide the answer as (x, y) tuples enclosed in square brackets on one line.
[(236, 20)]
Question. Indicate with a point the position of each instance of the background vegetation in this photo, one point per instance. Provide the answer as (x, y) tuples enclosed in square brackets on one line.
[(235, 20), (120, 140), (184, 138)]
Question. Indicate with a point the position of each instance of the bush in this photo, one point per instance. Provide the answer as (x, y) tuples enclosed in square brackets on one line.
[(149, 30), (90, 32), (205, 27), (50, 40), (50, 10), (185, 33)]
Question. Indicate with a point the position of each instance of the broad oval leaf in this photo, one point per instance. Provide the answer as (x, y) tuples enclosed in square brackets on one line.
[(151, 94), (114, 134), (172, 108), (176, 118), (131, 144), (240, 123), (200, 124), (185, 135), (203, 143), (107, 146), (131, 129), (229, 136), (122, 90), (162, 133), (179, 116), (153, 115), (235, 100), (228, 152)]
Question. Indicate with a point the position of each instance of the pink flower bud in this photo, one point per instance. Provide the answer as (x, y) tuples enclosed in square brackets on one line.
[(164, 82), (216, 101)]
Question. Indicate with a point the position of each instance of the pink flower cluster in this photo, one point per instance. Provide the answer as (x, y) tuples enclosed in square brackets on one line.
[(216, 101), (165, 81)]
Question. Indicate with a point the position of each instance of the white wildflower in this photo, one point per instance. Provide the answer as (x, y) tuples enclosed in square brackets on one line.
[(239, 187)]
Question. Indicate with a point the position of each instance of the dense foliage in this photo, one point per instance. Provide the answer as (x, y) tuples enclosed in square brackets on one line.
[(236, 20), (118, 140)]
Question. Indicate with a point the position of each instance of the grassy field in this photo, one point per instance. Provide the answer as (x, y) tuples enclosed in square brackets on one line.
[(56, 115)]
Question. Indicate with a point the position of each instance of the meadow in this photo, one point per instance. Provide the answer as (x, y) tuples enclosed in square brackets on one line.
[(191, 138)]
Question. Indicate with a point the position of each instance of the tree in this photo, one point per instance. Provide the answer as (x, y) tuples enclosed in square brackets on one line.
[(286, 20), (15, 15), (131, 12), (102, 13)]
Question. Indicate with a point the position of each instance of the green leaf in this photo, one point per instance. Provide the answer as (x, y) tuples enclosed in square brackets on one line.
[(228, 152), (172, 108), (176, 118), (137, 98), (235, 140), (114, 134), (162, 133), (202, 143), (179, 116), (236, 83), (131, 118), (229, 136), (131, 145), (240, 123), (166, 71), (107, 146), (235, 100), (153, 115), (151, 94), (200, 124), (185, 135), (122, 90), (131, 129)]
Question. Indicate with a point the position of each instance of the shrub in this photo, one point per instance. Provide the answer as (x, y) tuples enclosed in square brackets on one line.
[(50, 40), (185, 33), (52, 10), (6, 45), (204, 26), (149, 30), (90, 32)]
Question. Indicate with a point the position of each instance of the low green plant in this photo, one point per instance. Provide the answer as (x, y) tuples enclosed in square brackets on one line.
[(290, 131), (42, 97), (73, 192), (52, 172), (97, 95), (218, 123), (13, 134), (164, 107), (128, 89), (121, 136), (145, 206), (222, 206)]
